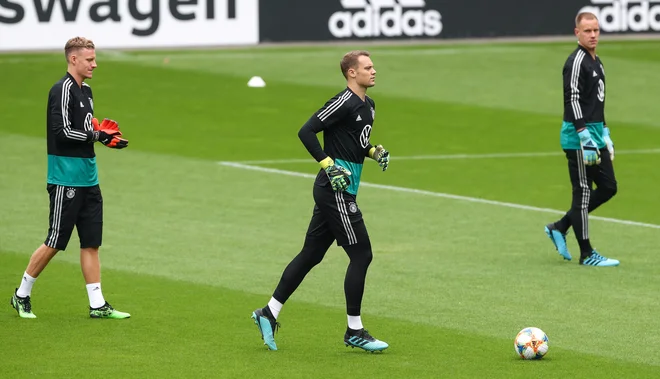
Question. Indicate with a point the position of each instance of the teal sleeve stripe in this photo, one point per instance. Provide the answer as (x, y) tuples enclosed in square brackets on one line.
[(356, 173), (72, 171)]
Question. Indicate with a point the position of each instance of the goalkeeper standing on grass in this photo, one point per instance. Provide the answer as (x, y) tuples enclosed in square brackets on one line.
[(73, 185), (346, 121), (586, 141)]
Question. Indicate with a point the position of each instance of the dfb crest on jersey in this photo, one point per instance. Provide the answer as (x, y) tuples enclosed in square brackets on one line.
[(373, 113), (70, 193), (91, 102), (352, 207)]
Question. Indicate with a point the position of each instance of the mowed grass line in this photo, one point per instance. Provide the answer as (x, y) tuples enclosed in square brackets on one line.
[(180, 329)]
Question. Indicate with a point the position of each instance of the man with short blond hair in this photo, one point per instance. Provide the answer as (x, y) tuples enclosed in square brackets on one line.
[(585, 138), (346, 121), (73, 185), (75, 44)]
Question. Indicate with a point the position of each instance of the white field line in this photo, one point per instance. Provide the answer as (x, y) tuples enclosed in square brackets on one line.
[(437, 194), (457, 156)]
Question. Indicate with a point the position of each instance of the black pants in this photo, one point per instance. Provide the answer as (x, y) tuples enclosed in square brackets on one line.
[(336, 217), (585, 198)]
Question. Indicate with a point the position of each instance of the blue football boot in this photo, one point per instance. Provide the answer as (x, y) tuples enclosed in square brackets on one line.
[(596, 259), (362, 339), (559, 240), (267, 326)]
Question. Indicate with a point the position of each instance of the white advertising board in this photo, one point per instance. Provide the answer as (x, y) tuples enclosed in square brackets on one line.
[(48, 24)]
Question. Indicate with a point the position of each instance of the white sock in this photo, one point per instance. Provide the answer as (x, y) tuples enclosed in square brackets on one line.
[(26, 285), (275, 307), (355, 322), (96, 299)]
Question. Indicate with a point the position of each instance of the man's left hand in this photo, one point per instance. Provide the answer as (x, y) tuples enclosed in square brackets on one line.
[(108, 133), (380, 155)]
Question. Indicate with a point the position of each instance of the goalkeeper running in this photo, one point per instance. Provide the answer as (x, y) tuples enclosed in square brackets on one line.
[(586, 141), (346, 121)]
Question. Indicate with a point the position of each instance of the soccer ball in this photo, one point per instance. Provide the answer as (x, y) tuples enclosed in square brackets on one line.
[(531, 343)]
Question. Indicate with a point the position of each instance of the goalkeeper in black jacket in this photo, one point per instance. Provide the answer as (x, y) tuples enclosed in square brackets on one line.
[(586, 141), (346, 121), (73, 185)]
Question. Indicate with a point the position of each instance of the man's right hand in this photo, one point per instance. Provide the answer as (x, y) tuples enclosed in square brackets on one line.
[(338, 176), (590, 153)]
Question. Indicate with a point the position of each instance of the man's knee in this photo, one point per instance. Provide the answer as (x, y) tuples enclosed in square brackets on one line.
[(313, 251), (612, 190), (360, 253), (581, 198), (607, 191), (47, 250)]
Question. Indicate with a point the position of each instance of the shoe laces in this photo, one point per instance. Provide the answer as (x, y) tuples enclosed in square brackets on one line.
[(596, 255), (274, 325), (269, 316), (25, 303), (364, 334), (106, 309)]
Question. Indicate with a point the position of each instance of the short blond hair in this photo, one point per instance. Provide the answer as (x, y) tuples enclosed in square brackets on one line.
[(75, 44), (350, 60), (584, 16)]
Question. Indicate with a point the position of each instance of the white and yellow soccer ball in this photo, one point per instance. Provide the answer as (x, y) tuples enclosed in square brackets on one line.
[(531, 343)]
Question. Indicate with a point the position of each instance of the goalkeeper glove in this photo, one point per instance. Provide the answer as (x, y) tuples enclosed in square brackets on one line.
[(608, 141), (108, 133), (380, 155), (590, 152), (337, 175)]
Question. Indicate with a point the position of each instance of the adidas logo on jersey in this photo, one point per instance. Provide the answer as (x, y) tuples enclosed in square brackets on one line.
[(623, 15), (388, 18), (359, 118), (595, 74)]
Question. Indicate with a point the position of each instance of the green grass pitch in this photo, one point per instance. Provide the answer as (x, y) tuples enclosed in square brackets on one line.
[(193, 244)]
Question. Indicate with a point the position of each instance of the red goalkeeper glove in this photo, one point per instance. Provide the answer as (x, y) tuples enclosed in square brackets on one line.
[(108, 133)]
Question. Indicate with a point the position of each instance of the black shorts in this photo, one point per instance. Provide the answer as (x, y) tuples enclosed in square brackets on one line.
[(337, 213), (81, 207)]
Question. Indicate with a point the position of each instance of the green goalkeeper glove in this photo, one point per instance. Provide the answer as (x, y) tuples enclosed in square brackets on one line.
[(338, 176), (380, 155)]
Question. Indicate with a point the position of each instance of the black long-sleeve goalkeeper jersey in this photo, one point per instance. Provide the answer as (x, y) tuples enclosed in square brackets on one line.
[(71, 157), (584, 88), (584, 98), (346, 122)]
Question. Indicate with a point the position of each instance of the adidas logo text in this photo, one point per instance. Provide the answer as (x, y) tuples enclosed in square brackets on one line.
[(623, 15), (389, 18)]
